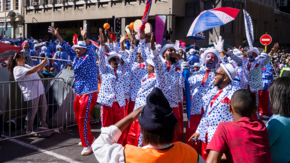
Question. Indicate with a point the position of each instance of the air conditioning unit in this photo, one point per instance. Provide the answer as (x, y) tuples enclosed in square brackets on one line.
[(34, 3), (59, 1)]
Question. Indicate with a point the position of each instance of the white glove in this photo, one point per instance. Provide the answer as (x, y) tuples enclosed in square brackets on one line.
[(185, 65), (219, 45)]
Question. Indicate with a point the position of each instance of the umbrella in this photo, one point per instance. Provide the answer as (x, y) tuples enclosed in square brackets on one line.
[(198, 36), (212, 18)]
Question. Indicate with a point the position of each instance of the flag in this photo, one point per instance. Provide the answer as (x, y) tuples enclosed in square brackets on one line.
[(145, 17), (95, 43), (249, 28)]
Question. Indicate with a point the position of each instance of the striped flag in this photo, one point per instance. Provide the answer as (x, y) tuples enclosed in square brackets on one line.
[(95, 43), (249, 28), (145, 17)]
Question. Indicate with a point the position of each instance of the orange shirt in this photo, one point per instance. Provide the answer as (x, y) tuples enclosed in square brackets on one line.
[(180, 152)]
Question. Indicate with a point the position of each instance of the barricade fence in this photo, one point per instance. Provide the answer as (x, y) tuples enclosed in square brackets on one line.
[(31, 107), (37, 114)]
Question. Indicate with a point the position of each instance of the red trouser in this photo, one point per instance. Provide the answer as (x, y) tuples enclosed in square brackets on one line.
[(134, 133), (178, 129), (83, 106), (111, 115), (180, 106), (190, 130), (129, 108), (264, 102), (204, 154)]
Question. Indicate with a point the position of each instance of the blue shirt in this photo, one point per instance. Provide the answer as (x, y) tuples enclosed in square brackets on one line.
[(85, 70), (279, 133), (267, 76)]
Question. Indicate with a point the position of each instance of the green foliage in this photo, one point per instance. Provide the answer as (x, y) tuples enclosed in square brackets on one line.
[(69, 36)]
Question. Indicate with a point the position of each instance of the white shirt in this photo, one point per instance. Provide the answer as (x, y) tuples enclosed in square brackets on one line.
[(107, 150), (31, 89)]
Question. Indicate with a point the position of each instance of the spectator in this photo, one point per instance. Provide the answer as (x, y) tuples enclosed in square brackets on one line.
[(26, 52), (45, 71), (52, 72), (279, 124), (243, 140), (33, 91), (158, 134), (68, 67)]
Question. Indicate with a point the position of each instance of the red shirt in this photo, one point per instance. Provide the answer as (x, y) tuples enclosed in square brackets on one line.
[(244, 141)]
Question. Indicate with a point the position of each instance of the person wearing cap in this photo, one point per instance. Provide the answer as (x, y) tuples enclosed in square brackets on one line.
[(157, 123), (267, 80), (252, 66), (193, 58), (200, 83), (26, 51), (60, 54), (196, 66), (173, 74), (85, 85), (154, 79), (216, 103), (46, 52), (35, 53), (112, 92)]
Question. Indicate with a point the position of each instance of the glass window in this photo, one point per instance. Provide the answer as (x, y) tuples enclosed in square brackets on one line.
[(16, 4), (7, 4)]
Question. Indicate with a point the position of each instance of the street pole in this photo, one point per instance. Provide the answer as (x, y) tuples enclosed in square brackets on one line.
[(4, 18)]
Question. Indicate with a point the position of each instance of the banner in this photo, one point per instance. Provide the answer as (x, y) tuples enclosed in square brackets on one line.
[(249, 28), (159, 27)]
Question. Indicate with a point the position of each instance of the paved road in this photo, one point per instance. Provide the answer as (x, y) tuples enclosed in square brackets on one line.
[(60, 147)]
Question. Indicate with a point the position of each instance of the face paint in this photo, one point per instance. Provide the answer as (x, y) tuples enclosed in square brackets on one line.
[(251, 57), (210, 60)]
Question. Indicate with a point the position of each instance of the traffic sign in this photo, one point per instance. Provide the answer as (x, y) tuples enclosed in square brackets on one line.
[(265, 39)]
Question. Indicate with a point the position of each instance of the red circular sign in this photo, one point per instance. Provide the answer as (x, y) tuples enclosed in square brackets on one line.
[(265, 39)]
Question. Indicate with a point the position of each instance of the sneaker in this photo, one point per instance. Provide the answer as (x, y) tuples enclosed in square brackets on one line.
[(86, 151), (80, 144)]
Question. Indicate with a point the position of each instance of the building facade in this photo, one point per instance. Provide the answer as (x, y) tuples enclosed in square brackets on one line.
[(12, 11), (69, 15)]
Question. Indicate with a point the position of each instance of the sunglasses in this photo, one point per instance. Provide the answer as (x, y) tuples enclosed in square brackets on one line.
[(170, 50), (216, 73), (115, 59)]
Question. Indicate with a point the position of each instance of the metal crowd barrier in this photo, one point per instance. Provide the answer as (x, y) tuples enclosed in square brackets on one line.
[(15, 108)]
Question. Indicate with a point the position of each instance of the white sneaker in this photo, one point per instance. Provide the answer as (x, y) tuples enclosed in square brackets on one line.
[(86, 151), (80, 144)]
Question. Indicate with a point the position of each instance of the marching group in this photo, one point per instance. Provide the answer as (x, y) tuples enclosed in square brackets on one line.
[(142, 95)]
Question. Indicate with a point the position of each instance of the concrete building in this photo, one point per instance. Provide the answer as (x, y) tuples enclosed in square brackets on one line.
[(69, 15), (14, 18)]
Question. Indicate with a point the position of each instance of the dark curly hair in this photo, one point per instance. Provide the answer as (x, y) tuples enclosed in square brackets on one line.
[(280, 96), (12, 62)]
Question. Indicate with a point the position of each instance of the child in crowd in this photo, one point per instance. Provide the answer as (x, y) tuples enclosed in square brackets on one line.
[(279, 124), (243, 140), (52, 72), (45, 71)]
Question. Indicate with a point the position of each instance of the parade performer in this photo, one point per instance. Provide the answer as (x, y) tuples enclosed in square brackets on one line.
[(35, 53), (154, 78), (216, 105), (157, 123), (200, 83), (238, 69), (193, 58), (86, 85), (112, 91), (267, 80), (251, 77), (60, 54), (26, 51), (173, 75)]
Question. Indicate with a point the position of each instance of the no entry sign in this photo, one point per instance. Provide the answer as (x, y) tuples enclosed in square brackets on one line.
[(265, 39)]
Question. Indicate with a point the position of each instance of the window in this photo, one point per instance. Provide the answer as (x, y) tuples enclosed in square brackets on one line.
[(7, 4), (0, 6), (16, 4)]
